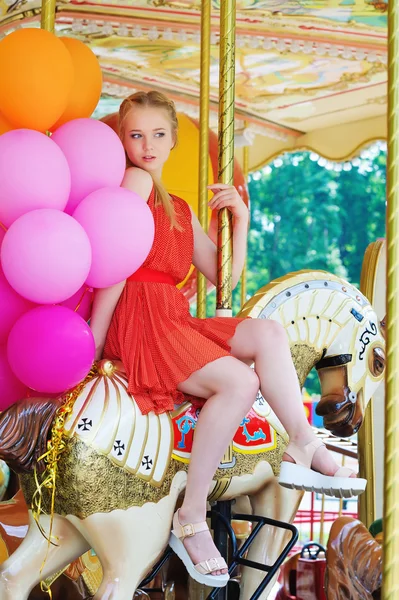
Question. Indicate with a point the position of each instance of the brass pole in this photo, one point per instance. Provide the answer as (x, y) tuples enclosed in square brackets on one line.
[(204, 142), (341, 501), (366, 445), (48, 15), (390, 587), (322, 517), (226, 152), (245, 171)]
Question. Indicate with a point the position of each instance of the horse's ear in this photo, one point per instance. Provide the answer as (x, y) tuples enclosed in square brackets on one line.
[(383, 326)]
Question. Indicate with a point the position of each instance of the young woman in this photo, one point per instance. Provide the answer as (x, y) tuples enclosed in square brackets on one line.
[(145, 322)]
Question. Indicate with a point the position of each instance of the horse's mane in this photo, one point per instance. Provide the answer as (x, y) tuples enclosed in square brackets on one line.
[(24, 428)]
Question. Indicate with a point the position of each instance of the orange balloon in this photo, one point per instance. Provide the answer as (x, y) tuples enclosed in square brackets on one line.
[(5, 125), (87, 83), (36, 76)]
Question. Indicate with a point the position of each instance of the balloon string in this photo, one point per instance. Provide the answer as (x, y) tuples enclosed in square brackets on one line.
[(3, 226), (81, 299)]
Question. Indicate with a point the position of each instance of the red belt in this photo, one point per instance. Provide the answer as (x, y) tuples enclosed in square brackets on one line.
[(151, 276)]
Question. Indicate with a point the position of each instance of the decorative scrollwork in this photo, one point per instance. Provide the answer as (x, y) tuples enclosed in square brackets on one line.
[(365, 338)]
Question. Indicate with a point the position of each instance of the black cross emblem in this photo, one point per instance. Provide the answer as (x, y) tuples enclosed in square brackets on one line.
[(147, 463), (85, 425), (119, 447)]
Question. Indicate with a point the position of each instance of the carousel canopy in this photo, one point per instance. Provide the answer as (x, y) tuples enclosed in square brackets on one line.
[(310, 74)]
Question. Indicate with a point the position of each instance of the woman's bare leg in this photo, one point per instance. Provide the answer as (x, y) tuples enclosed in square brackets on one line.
[(265, 343), (230, 388)]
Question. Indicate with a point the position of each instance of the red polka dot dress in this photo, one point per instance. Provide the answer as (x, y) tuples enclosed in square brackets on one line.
[(152, 331)]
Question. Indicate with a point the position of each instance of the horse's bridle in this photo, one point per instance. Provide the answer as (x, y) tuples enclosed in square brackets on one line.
[(333, 361)]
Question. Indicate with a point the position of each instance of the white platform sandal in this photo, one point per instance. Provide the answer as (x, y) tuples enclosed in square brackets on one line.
[(202, 571), (299, 476)]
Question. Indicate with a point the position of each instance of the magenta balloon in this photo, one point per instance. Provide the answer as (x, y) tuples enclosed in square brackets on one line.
[(81, 302), (95, 156), (51, 349), (46, 256), (12, 306), (11, 389), (34, 173), (120, 227)]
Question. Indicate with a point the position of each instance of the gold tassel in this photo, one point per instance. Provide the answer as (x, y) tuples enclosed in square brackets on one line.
[(55, 447)]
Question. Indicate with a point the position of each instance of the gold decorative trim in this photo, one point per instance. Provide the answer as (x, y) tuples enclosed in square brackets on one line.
[(306, 148), (366, 446)]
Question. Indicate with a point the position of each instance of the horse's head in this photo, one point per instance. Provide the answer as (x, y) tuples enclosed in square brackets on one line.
[(350, 371)]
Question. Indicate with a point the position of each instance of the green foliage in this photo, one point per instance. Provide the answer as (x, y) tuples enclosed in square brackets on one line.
[(305, 216)]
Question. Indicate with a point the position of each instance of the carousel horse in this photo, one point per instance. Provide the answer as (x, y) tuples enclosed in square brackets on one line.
[(354, 562), (121, 473)]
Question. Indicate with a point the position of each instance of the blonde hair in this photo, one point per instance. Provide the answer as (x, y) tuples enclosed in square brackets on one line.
[(153, 99)]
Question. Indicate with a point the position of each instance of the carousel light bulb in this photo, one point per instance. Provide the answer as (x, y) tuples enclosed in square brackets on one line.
[(123, 31), (137, 32), (108, 29), (77, 26), (347, 53), (307, 48), (167, 35), (321, 50), (153, 34), (333, 52), (268, 44)]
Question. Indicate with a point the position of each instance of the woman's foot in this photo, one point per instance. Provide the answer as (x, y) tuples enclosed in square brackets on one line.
[(322, 460), (307, 465), (200, 546)]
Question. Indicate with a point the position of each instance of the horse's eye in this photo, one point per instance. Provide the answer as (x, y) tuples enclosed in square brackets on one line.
[(377, 362)]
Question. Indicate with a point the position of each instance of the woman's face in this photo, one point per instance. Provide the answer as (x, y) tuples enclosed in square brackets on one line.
[(148, 138)]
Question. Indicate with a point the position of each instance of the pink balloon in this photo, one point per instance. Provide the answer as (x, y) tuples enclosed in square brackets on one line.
[(95, 155), (46, 256), (51, 349), (34, 173), (12, 306), (120, 227), (81, 302), (11, 389)]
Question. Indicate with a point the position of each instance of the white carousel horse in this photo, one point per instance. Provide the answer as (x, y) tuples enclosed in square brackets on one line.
[(121, 473)]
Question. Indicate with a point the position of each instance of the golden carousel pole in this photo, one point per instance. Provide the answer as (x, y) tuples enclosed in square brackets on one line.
[(390, 587), (366, 441), (245, 171), (204, 142), (226, 153), (226, 175), (48, 15)]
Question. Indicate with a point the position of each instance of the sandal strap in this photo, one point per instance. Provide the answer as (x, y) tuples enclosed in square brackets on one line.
[(304, 456), (209, 566), (188, 529), (343, 472)]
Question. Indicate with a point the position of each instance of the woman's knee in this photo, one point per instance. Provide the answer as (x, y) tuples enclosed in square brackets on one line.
[(241, 380), (269, 333)]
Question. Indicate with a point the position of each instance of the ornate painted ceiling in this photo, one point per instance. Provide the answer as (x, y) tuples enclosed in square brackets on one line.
[(309, 73)]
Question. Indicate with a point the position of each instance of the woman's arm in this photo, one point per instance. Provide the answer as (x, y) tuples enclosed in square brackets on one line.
[(106, 299), (205, 252), (104, 304)]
